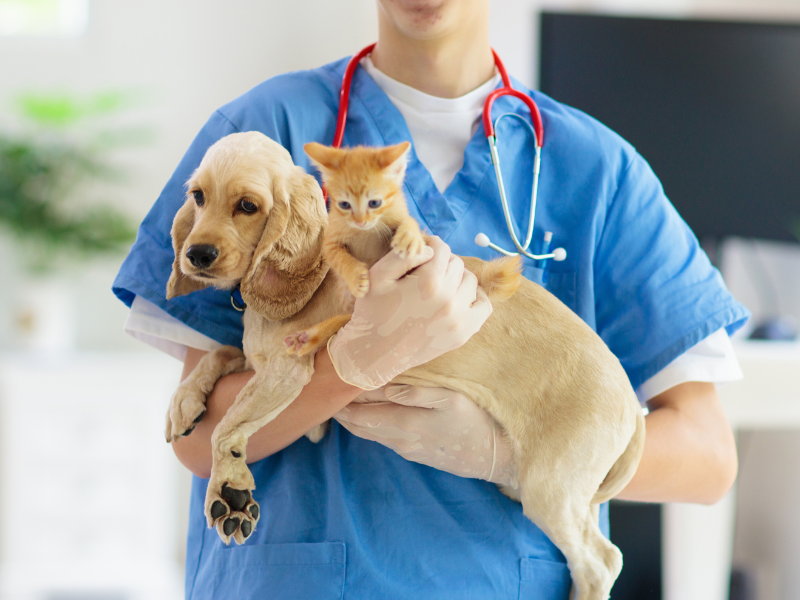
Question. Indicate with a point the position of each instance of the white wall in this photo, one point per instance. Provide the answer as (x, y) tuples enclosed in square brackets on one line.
[(185, 58)]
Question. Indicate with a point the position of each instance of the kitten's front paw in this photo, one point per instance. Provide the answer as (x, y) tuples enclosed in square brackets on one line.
[(407, 243), (358, 282)]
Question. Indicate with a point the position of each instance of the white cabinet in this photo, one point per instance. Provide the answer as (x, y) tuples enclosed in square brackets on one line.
[(90, 493)]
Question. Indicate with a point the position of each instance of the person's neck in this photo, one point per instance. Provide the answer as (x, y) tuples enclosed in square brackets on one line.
[(447, 68)]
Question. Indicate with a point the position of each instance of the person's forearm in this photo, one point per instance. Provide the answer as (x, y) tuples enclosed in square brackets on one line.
[(689, 453), (323, 397)]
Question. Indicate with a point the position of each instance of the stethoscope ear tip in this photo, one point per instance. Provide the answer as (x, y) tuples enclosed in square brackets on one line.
[(559, 254), (482, 240)]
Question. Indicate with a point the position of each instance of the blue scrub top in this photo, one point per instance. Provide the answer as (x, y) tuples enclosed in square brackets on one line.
[(349, 518)]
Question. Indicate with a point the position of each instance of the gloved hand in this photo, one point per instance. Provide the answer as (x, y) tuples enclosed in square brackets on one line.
[(437, 427), (408, 318)]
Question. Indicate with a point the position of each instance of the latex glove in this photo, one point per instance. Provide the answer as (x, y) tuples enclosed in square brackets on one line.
[(408, 318), (437, 427)]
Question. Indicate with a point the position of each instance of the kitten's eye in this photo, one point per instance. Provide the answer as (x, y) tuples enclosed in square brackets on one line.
[(344, 205), (375, 203), (199, 198), (247, 206)]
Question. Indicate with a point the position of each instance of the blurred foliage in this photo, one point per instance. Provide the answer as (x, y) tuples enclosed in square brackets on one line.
[(60, 109), (45, 170)]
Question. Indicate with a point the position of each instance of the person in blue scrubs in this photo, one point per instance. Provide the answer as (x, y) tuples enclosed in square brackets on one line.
[(351, 518)]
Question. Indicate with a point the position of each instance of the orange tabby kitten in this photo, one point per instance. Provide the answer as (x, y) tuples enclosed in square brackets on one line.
[(368, 217)]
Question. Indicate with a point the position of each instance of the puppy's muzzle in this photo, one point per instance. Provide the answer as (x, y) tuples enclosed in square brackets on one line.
[(202, 255)]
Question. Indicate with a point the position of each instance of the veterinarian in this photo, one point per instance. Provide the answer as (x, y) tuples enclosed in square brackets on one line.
[(351, 518)]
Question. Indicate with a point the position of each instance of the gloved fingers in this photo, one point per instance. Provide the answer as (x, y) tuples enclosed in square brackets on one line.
[(392, 439), (441, 257), (381, 414), (373, 396), (415, 395), (397, 427), (392, 267), (480, 309), (455, 277), (467, 290), (433, 274)]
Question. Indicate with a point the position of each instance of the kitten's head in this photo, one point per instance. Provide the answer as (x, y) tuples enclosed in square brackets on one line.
[(362, 183)]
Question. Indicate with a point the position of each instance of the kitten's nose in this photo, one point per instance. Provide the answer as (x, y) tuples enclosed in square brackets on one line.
[(202, 255)]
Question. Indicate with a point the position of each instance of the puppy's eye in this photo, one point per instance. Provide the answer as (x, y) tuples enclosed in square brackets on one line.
[(198, 197), (375, 203), (344, 205), (247, 206)]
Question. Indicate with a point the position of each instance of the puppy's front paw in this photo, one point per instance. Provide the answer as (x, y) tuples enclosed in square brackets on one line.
[(229, 506), (407, 242), (358, 282), (186, 409)]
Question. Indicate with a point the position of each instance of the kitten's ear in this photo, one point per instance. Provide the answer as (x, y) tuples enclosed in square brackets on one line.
[(393, 159), (324, 157)]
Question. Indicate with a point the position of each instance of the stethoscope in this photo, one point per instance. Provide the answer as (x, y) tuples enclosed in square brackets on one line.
[(537, 131)]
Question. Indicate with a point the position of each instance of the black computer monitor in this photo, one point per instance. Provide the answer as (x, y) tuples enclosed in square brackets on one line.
[(714, 107)]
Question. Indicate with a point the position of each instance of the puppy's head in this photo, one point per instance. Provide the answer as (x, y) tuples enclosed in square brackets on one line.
[(250, 216)]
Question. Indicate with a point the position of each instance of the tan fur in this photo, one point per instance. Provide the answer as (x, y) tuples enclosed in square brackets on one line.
[(536, 367), (578, 414), (275, 255)]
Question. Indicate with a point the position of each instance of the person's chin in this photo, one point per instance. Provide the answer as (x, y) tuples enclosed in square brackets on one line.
[(422, 19)]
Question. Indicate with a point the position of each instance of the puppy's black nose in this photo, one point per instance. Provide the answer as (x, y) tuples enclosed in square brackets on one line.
[(201, 256)]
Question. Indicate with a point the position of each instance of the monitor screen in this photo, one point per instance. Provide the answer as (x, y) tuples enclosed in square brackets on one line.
[(713, 106)]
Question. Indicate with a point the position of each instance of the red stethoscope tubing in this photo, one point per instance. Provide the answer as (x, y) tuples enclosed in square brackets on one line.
[(344, 94), (506, 90)]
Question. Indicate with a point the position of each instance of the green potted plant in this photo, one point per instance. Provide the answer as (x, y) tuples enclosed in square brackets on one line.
[(51, 165)]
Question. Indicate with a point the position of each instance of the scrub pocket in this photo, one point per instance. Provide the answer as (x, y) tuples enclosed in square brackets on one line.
[(561, 285), (280, 572), (543, 580)]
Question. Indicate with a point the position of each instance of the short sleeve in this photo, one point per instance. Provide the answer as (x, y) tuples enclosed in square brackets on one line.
[(147, 268), (657, 293)]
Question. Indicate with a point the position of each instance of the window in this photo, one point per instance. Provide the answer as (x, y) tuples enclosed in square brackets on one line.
[(67, 18)]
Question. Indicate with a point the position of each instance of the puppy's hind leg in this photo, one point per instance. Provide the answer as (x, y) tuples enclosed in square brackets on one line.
[(188, 403), (314, 338), (572, 525)]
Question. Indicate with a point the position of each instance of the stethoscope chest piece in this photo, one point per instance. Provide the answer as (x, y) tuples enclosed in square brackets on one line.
[(536, 130)]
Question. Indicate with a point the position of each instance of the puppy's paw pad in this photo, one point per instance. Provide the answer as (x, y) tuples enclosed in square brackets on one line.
[(233, 512)]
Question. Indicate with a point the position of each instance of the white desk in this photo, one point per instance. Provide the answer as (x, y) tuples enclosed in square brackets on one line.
[(698, 540)]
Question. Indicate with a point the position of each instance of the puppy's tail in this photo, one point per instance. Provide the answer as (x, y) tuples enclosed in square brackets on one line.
[(501, 278), (626, 465)]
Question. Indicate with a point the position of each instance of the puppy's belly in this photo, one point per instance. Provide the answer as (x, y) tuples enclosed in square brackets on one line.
[(543, 374)]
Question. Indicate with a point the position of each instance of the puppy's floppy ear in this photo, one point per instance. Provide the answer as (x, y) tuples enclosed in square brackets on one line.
[(287, 266), (392, 160), (179, 284)]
